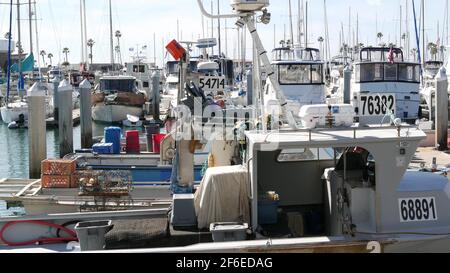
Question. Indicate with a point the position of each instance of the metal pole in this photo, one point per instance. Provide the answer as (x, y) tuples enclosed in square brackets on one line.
[(111, 34), (30, 15), (442, 110), (86, 114), (65, 118), (347, 84), (155, 92), (83, 46), (37, 140), (249, 88)]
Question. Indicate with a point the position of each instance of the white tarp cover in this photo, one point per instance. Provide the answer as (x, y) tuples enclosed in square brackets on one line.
[(223, 196)]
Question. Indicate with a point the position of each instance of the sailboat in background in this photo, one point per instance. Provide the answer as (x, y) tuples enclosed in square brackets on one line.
[(16, 109)]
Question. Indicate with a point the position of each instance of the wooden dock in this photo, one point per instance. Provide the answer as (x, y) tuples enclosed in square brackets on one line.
[(51, 123)]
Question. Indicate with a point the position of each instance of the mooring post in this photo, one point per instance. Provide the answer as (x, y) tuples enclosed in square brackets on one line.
[(65, 118), (347, 84), (156, 96), (86, 114), (37, 130), (442, 110), (249, 87), (55, 99)]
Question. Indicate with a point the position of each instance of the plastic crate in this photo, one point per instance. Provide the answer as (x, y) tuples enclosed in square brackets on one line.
[(268, 212), (56, 181), (59, 167), (229, 232), (103, 148)]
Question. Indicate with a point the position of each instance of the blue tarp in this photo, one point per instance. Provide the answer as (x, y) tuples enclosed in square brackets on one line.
[(27, 65)]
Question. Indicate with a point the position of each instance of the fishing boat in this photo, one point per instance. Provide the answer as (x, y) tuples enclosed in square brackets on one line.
[(383, 83), (117, 97), (300, 74)]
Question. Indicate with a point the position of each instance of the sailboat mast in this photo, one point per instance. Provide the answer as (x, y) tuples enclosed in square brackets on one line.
[(86, 56), (290, 23), (306, 24), (30, 17), (218, 29), (19, 42), (111, 34), (401, 23), (8, 69), (423, 34), (37, 40), (82, 32)]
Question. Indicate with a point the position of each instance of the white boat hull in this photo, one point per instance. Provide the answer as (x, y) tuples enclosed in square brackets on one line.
[(114, 113), (11, 114)]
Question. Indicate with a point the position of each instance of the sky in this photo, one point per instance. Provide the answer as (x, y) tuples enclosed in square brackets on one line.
[(58, 24)]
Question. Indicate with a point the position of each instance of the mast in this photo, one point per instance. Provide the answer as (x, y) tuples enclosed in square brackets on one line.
[(306, 24), (111, 34), (86, 56), (423, 34), (83, 58), (37, 40), (408, 39), (30, 17), (401, 23), (8, 70), (19, 45), (290, 23), (218, 28)]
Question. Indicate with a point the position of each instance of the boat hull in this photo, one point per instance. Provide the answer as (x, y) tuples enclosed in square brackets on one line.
[(11, 114), (114, 113)]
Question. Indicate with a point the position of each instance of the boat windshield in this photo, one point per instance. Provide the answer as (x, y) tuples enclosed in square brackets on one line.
[(295, 74), (118, 85), (378, 72)]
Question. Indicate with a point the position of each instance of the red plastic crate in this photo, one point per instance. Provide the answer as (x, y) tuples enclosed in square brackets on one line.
[(56, 181), (58, 167)]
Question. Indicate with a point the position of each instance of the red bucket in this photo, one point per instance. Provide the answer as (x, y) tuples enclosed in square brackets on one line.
[(133, 144), (157, 139)]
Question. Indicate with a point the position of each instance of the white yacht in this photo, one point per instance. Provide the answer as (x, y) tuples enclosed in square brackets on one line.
[(116, 97)]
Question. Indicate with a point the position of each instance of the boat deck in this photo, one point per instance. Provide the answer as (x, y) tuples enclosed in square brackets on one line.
[(426, 155)]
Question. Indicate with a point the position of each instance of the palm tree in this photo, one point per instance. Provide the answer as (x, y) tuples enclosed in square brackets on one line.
[(433, 48), (7, 35), (90, 44), (321, 40), (66, 51), (414, 53), (379, 36), (43, 54), (50, 57)]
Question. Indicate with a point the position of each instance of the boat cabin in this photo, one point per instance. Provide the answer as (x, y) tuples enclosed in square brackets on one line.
[(384, 84), (116, 84), (300, 74)]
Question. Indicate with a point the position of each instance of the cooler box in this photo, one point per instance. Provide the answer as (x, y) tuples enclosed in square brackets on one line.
[(267, 212), (113, 135), (133, 143), (103, 148)]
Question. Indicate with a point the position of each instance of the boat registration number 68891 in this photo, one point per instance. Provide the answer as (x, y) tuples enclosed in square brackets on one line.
[(418, 209), (377, 104)]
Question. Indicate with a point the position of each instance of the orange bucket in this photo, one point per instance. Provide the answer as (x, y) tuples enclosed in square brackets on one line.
[(176, 50)]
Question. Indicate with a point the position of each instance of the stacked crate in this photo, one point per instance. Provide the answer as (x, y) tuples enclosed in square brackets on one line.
[(57, 173)]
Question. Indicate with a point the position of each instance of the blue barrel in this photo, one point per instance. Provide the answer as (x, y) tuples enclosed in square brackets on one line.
[(113, 135)]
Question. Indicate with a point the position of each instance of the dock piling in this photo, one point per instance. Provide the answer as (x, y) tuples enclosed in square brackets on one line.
[(65, 118), (86, 114), (156, 96), (442, 110), (56, 83), (37, 140), (347, 84)]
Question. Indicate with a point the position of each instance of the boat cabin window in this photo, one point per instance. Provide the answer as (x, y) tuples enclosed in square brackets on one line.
[(295, 74), (298, 155), (122, 85), (381, 54), (376, 72), (280, 54), (139, 68)]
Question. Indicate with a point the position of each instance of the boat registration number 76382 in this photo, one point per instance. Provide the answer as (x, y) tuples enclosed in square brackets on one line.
[(418, 209), (377, 104)]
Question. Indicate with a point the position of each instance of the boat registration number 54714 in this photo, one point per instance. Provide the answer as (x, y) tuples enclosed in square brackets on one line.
[(418, 209), (377, 104), (212, 83)]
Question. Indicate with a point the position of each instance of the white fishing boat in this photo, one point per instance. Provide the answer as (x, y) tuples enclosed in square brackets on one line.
[(117, 97), (300, 75)]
